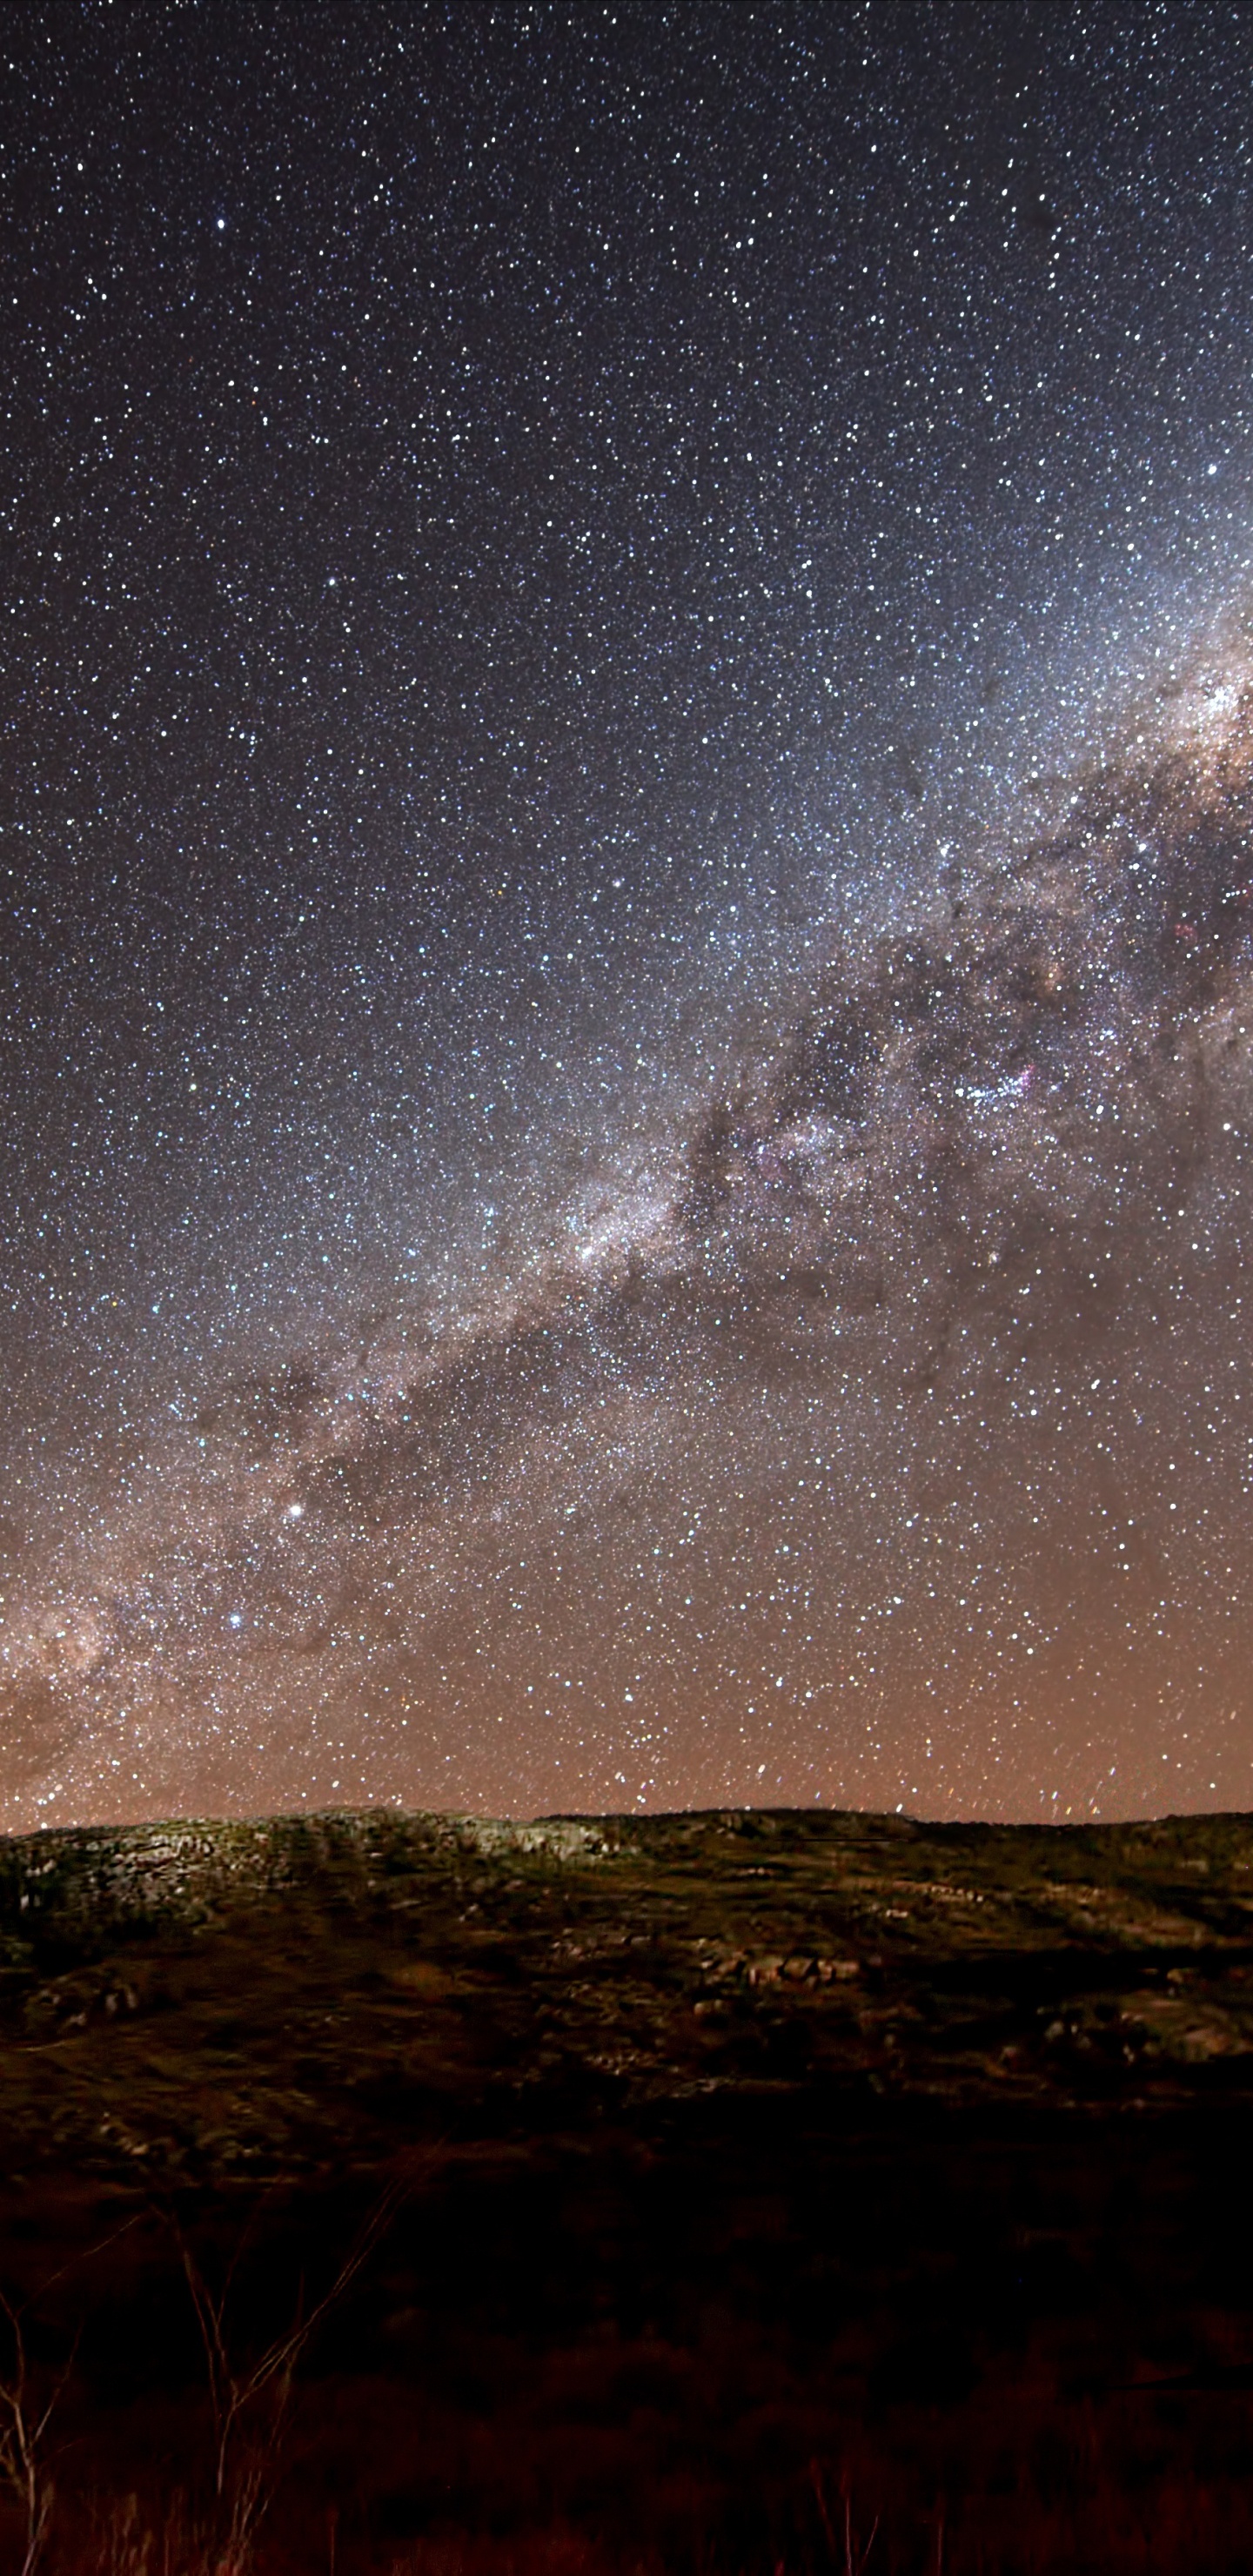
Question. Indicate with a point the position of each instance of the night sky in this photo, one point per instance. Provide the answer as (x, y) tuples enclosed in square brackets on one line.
[(626, 908)]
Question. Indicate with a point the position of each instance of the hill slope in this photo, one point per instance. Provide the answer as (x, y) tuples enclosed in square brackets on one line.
[(712, 2167)]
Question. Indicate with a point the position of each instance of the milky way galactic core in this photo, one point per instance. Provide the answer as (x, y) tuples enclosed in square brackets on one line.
[(627, 875)]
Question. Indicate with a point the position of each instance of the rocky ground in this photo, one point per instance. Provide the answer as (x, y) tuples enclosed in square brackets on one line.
[(668, 2191)]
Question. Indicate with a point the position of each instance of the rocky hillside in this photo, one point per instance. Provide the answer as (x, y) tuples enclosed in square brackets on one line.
[(196, 1995)]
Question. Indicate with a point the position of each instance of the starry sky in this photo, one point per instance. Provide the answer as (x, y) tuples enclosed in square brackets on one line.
[(626, 908)]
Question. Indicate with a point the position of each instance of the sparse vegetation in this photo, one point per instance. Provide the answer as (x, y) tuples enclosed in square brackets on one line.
[(732, 2192)]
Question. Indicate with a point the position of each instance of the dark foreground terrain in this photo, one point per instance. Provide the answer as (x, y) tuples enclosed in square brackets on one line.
[(727, 2192)]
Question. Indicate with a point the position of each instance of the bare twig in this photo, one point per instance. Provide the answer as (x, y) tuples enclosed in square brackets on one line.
[(242, 2484), (24, 2424), (846, 2552), (24, 2420), (855, 2557)]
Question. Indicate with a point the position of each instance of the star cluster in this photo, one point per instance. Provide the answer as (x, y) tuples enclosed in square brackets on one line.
[(626, 873)]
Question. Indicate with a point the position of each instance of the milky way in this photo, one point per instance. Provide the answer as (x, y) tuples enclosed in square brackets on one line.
[(627, 1052)]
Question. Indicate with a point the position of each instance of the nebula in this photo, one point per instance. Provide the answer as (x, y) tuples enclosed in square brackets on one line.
[(892, 1447)]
